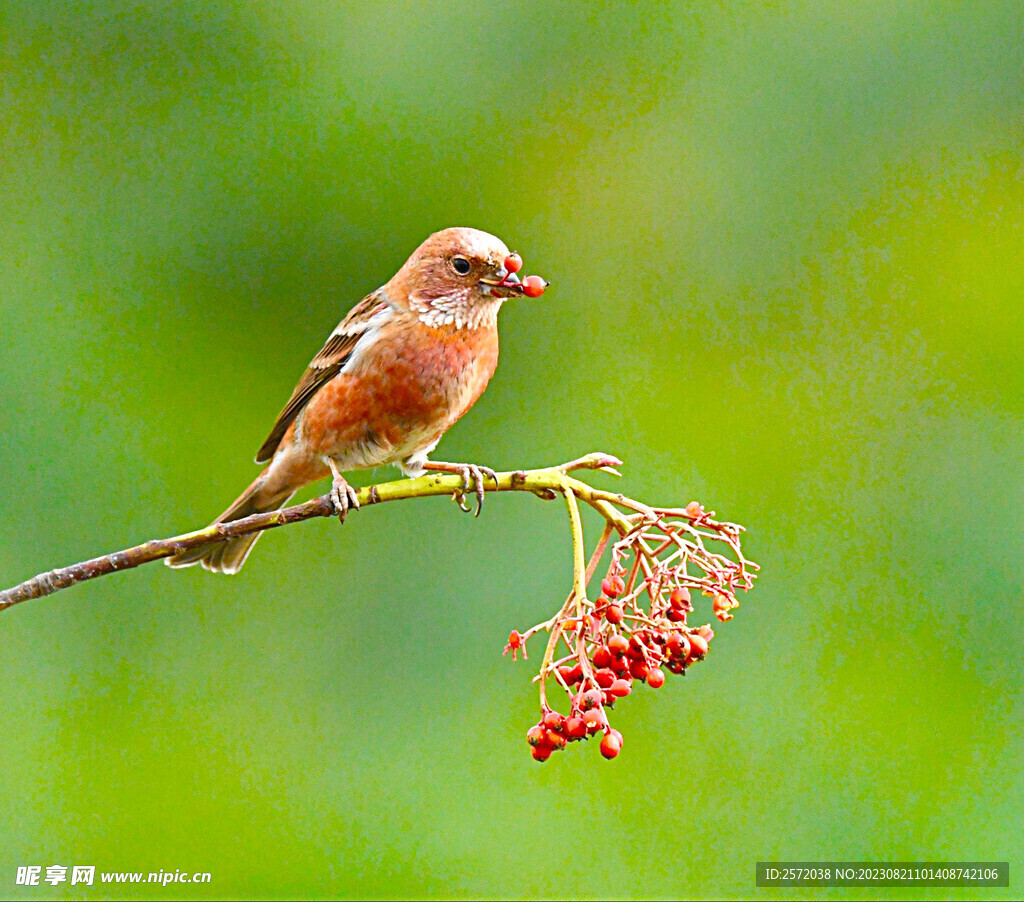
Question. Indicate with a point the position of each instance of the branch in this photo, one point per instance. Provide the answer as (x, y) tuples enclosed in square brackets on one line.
[(546, 483), (633, 632)]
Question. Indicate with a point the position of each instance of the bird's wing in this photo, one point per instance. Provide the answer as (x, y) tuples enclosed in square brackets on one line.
[(330, 360)]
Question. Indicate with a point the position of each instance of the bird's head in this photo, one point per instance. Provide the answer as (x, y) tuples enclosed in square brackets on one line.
[(459, 277)]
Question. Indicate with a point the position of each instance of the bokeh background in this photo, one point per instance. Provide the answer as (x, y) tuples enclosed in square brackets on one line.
[(786, 242)]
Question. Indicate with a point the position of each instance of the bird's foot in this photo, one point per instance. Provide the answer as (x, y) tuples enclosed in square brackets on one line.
[(343, 496), (472, 481)]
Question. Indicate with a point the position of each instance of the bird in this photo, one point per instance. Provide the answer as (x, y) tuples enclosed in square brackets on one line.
[(406, 362)]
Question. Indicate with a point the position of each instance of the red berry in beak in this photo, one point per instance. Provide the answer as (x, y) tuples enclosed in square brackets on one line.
[(513, 263), (533, 286)]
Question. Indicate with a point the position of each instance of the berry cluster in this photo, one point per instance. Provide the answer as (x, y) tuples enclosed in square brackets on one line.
[(637, 628)]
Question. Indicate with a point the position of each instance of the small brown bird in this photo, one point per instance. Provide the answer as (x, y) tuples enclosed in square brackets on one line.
[(405, 364)]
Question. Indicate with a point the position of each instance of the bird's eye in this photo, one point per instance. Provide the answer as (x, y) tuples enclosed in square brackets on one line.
[(460, 265)]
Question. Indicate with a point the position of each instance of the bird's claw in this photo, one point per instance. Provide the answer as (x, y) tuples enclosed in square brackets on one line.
[(473, 480), (344, 497)]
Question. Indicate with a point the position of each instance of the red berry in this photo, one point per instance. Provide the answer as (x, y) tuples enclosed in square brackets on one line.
[(513, 262), (515, 643), (620, 665), (541, 752), (595, 719), (656, 678), (618, 645), (614, 614), (590, 699), (604, 678), (602, 657), (680, 598), (611, 744), (698, 647), (613, 586), (533, 286), (694, 510), (554, 721), (678, 646), (676, 615), (640, 670), (576, 727), (620, 688), (571, 674), (536, 735), (556, 740), (706, 631)]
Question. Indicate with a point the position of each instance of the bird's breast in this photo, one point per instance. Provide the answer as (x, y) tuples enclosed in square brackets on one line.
[(407, 389)]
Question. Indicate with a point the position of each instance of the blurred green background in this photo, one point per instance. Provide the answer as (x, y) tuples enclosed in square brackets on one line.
[(787, 248)]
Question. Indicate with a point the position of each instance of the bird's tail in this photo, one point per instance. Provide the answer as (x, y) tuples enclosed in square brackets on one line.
[(228, 557)]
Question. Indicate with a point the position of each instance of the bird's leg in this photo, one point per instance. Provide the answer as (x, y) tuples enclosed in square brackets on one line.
[(342, 494), (471, 474)]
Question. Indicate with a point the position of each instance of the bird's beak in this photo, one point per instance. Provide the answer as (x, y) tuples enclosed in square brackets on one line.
[(505, 284)]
